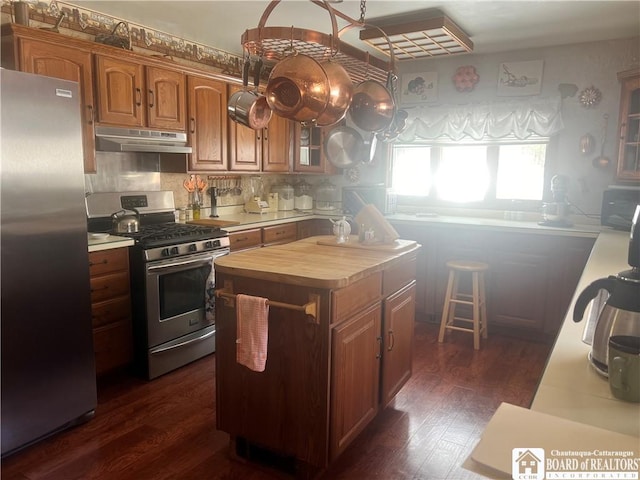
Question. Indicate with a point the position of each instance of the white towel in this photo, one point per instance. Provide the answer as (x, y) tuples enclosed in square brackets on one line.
[(252, 322)]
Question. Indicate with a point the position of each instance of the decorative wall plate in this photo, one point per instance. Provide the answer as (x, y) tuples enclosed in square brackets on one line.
[(590, 97), (465, 78)]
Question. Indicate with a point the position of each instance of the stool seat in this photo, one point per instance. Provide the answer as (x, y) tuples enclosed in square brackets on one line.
[(467, 265), (476, 300)]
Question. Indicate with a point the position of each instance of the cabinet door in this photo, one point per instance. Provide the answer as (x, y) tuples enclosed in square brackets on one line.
[(207, 129), (166, 98), (119, 86), (629, 125), (356, 347), (67, 64), (245, 144), (276, 145), (309, 151), (519, 284), (397, 340)]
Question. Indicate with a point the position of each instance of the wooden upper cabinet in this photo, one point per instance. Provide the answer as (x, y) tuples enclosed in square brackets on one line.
[(66, 63), (266, 150), (135, 95), (309, 154), (276, 145), (207, 125), (629, 127), (166, 99), (119, 86)]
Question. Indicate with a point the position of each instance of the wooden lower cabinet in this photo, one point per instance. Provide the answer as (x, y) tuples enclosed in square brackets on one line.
[(322, 382), (111, 309), (530, 281)]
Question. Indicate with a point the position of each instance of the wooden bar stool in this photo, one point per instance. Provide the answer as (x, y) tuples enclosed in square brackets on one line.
[(476, 300)]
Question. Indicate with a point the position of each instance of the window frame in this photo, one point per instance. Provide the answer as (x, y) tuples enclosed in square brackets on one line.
[(490, 201)]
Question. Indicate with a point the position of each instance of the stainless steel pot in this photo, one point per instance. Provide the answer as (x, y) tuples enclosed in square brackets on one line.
[(250, 108), (124, 222)]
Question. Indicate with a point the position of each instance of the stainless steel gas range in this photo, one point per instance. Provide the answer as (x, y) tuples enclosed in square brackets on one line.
[(172, 278)]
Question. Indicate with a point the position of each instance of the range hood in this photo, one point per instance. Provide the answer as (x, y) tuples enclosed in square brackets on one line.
[(115, 139)]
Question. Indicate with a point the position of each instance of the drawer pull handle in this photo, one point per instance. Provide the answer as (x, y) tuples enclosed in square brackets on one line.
[(151, 99), (379, 339), (106, 287), (138, 97), (392, 341), (103, 262)]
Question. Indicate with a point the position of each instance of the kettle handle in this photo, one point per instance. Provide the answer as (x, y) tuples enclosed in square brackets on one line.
[(589, 294)]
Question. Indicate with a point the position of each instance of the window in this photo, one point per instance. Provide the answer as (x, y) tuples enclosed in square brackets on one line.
[(474, 174)]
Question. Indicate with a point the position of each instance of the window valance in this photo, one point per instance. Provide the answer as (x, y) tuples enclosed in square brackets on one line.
[(498, 119)]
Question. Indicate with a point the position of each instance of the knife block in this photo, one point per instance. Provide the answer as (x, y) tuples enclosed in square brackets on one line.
[(383, 231)]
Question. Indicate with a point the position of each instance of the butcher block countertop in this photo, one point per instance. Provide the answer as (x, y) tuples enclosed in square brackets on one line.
[(310, 264)]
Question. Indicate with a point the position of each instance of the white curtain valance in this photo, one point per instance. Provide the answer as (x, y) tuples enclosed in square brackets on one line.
[(520, 118)]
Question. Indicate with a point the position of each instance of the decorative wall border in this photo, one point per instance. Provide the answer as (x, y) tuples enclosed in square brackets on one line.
[(94, 23)]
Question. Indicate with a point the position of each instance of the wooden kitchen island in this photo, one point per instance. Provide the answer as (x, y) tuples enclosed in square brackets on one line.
[(339, 350)]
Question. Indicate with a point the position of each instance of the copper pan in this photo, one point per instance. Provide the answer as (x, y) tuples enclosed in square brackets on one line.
[(373, 106), (298, 89), (340, 94)]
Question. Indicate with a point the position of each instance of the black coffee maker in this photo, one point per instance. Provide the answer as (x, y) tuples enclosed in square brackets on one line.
[(621, 313)]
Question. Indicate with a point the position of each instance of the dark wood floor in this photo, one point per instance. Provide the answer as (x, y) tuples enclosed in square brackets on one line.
[(165, 429)]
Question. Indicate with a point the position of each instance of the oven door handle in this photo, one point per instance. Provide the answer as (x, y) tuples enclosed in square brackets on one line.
[(182, 344), (174, 265)]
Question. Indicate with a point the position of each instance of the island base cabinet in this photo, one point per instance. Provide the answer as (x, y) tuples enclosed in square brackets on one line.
[(356, 351), (280, 409), (322, 382)]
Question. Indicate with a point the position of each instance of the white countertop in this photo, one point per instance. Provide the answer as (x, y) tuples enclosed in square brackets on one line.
[(573, 403), (496, 224), (112, 241), (570, 388)]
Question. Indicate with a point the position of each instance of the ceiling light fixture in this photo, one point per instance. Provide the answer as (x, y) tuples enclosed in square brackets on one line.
[(412, 40)]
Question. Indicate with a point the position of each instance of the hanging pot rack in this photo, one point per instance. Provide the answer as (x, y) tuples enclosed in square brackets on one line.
[(275, 43)]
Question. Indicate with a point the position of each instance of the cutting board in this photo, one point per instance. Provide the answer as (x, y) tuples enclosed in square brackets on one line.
[(214, 222), (516, 427), (397, 245)]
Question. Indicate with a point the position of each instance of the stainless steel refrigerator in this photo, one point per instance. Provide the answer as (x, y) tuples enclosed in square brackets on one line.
[(47, 361)]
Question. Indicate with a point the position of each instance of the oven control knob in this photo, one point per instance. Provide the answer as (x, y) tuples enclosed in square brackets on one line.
[(165, 252), (212, 243), (193, 247), (174, 250)]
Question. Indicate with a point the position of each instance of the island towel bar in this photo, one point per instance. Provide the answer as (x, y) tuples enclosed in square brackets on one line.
[(311, 308)]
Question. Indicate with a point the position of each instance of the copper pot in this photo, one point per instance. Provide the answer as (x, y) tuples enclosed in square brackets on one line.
[(372, 106), (340, 94), (249, 108), (298, 88)]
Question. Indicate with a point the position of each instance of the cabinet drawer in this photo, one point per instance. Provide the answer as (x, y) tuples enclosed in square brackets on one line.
[(107, 261), (245, 239), (399, 275), (113, 346), (110, 311), (109, 286), (280, 233), (347, 301)]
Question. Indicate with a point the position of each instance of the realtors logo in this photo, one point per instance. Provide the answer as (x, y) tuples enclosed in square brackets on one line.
[(527, 464)]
